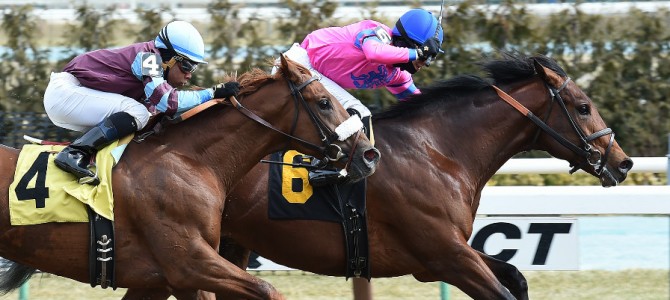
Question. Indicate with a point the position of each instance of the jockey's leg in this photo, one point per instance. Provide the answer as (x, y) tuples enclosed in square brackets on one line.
[(327, 176), (75, 158)]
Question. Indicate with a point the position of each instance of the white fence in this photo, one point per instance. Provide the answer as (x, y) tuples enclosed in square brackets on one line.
[(576, 200)]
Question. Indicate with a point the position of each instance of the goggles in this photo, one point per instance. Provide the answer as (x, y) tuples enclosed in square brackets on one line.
[(185, 64)]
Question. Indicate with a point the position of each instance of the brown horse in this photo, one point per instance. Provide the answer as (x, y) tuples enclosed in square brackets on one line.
[(170, 189), (440, 148)]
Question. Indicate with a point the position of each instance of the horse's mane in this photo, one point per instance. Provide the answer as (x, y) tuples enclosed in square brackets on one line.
[(253, 80), (512, 67), (256, 78)]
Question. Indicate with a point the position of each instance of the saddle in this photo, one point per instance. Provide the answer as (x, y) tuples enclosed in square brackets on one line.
[(342, 203), (64, 205)]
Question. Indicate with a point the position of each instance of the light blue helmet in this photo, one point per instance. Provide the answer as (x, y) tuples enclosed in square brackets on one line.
[(418, 25), (182, 38)]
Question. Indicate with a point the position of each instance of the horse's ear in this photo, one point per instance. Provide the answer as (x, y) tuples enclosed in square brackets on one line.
[(540, 69), (289, 69), (284, 64), (546, 74)]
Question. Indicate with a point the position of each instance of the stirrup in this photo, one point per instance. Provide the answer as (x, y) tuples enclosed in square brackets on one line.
[(82, 173), (92, 180)]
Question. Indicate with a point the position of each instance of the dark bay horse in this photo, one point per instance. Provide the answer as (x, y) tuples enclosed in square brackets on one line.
[(170, 189), (440, 148)]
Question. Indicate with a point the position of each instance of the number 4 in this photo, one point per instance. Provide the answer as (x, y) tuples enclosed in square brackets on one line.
[(40, 192), (151, 65)]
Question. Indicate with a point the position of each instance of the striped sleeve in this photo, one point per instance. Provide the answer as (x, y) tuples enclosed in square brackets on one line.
[(165, 98)]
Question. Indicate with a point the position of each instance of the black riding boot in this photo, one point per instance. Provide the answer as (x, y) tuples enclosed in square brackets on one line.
[(321, 174), (75, 158)]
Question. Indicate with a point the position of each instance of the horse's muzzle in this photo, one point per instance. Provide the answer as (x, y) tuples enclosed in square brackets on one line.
[(611, 177)]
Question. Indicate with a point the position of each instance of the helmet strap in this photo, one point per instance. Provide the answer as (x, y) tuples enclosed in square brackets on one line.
[(169, 64)]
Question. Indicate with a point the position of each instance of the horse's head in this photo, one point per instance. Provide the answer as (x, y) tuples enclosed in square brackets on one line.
[(320, 125), (580, 134)]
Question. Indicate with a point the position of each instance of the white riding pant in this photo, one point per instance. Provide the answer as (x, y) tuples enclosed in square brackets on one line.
[(73, 106), (299, 55)]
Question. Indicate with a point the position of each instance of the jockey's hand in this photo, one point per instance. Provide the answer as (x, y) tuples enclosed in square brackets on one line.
[(225, 90), (429, 49)]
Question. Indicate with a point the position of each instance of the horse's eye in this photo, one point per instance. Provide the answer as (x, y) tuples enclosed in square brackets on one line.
[(324, 104), (584, 109)]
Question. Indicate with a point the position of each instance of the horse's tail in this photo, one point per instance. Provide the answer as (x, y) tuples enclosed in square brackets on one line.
[(13, 275)]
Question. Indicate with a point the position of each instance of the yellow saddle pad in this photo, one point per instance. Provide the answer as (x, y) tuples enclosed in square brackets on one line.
[(43, 193)]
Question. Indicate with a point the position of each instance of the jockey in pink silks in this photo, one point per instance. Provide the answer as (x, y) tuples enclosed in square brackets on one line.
[(370, 55)]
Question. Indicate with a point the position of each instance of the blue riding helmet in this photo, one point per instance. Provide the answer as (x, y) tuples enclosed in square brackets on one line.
[(182, 38), (419, 25)]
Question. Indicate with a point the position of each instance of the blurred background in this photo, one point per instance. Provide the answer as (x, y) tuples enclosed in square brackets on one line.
[(617, 52)]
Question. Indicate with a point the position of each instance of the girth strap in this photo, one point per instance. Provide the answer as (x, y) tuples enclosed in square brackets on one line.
[(101, 251)]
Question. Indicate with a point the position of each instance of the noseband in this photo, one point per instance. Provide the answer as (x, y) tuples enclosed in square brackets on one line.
[(592, 155), (330, 151)]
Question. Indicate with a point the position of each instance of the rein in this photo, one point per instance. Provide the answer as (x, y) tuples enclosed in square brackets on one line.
[(592, 155), (331, 151)]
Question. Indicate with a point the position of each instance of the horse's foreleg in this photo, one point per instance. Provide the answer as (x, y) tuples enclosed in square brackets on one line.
[(228, 249), (509, 275), (234, 253), (146, 294), (194, 265), (461, 266), (164, 294)]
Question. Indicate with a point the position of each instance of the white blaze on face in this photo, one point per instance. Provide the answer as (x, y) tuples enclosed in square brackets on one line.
[(348, 128)]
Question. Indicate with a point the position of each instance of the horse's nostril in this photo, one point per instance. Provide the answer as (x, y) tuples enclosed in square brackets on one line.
[(371, 155), (626, 165)]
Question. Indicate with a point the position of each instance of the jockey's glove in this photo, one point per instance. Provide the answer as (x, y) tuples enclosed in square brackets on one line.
[(352, 112), (429, 49), (225, 90)]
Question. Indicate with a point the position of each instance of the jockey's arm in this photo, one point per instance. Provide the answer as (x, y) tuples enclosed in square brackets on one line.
[(377, 51), (168, 99), (403, 87), (164, 97)]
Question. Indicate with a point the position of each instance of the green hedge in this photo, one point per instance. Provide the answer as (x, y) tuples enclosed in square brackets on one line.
[(621, 61)]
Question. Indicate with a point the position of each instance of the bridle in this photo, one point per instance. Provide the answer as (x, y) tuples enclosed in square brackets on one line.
[(592, 155), (330, 150)]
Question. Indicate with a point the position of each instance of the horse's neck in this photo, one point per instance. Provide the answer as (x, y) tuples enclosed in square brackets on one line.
[(471, 143), (229, 143)]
